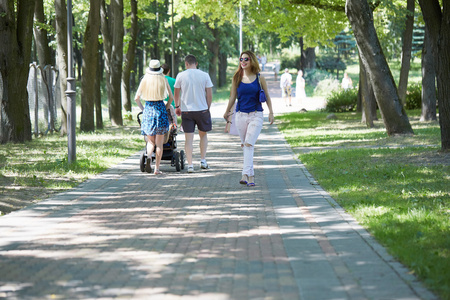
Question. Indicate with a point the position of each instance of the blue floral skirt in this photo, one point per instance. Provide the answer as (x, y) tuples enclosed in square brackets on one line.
[(155, 120)]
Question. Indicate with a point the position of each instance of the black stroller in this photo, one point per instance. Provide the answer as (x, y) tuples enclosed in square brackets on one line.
[(169, 147)]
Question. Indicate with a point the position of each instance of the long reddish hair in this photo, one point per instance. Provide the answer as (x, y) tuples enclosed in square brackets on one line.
[(254, 67)]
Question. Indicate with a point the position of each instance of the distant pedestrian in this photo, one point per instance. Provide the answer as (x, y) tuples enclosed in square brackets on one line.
[(346, 82), (285, 84), (153, 89), (193, 97), (263, 62), (300, 93), (246, 86)]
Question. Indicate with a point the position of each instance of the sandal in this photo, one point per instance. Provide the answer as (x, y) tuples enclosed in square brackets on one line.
[(157, 172), (244, 179), (251, 181)]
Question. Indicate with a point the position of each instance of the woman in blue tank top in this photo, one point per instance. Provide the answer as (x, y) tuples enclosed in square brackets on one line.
[(246, 87)]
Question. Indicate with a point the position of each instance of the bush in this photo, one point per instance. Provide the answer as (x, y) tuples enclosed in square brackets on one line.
[(326, 86), (414, 96), (290, 62), (342, 100)]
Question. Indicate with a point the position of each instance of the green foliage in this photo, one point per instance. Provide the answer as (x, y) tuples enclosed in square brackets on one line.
[(394, 187), (326, 86), (330, 63), (342, 100), (414, 96), (290, 62)]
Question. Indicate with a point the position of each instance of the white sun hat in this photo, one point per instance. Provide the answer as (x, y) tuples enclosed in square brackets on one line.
[(154, 67)]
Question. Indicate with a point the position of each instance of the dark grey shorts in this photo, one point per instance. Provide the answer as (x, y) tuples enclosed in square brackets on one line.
[(200, 118)]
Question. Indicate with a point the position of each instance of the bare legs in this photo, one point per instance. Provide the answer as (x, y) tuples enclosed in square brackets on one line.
[(151, 142), (189, 145)]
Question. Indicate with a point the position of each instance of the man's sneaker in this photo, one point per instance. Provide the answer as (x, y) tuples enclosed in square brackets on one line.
[(204, 165), (190, 169)]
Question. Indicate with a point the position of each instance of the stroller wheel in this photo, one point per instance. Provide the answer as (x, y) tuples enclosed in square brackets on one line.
[(176, 157), (142, 161), (182, 157)]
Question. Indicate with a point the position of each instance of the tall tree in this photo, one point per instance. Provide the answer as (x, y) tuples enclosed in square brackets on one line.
[(428, 82), (16, 32), (40, 35), (361, 19), (406, 51), (437, 22), (113, 31), (61, 38), (129, 58), (89, 67)]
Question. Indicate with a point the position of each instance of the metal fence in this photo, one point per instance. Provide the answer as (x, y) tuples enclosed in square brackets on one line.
[(44, 99)]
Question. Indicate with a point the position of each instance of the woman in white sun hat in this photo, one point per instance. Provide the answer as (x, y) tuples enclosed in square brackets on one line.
[(153, 89)]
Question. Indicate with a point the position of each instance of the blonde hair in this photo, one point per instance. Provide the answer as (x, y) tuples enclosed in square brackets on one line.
[(153, 87)]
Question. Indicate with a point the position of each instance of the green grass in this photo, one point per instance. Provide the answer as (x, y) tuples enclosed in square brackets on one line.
[(397, 187), (41, 164)]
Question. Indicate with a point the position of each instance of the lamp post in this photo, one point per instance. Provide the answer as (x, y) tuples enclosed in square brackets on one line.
[(240, 28), (70, 91), (173, 50)]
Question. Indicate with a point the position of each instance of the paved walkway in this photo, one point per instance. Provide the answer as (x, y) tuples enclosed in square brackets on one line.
[(131, 235)]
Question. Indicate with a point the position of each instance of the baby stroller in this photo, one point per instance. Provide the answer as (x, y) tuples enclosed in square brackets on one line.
[(169, 147)]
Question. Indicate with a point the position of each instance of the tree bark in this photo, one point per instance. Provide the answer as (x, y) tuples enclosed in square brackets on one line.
[(117, 31), (129, 59), (437, 22), (89, 67), (106, 34), (98, 94), (406, 51), (392, 111), (61, 38), (40, 36), (369, 110), (213, 48), (223, 64), (16, 31), (428, 82)]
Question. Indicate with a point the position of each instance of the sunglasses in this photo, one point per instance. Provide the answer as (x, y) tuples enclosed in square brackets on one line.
[(244, 58)]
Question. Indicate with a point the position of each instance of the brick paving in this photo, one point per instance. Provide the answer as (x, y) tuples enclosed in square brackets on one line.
[(131, 235)]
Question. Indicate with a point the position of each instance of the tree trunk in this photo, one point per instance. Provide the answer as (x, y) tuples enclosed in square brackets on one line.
[(213, 48), (406, 51), (438, 26), (428, 82), (394, 116), (89, 71), (367, 98), (310, 58), (223, 65), (116, 61), (16, 31), (98, 94), (129, 59), (40, 36), (106, 34), (61, 38)]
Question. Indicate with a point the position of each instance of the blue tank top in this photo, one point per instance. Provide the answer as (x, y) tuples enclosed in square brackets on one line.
[(248, 97)]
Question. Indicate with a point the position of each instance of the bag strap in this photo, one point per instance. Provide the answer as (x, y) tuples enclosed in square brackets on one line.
[(260, 86)]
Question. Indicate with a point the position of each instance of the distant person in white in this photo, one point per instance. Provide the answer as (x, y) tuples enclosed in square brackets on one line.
[(193, 97), (300, 93), (285, 85), (346, 82)]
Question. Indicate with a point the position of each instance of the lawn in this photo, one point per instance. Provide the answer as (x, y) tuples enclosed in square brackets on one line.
[(397, 187), (35, 170)]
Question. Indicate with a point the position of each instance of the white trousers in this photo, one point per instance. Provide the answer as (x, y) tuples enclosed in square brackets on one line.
[(249, 127)]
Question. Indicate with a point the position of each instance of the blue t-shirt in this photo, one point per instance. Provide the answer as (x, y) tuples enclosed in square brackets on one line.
[(248, 97)]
